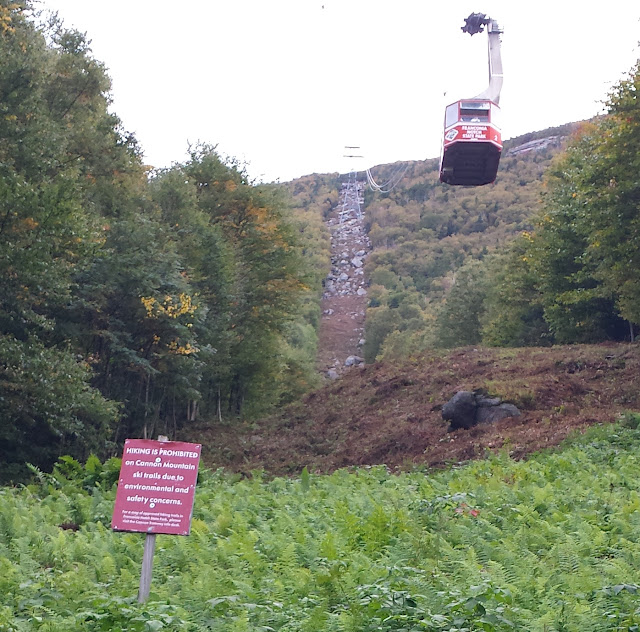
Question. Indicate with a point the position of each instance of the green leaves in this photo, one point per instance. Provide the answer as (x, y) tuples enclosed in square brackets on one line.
[(550, 543), (585, 248), (47, 406), (174, 295)]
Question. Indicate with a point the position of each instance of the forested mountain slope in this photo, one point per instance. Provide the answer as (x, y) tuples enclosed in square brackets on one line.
[(136, 301), (422, 232)]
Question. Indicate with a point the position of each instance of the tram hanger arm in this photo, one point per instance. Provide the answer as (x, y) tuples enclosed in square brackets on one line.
[(475, 23)]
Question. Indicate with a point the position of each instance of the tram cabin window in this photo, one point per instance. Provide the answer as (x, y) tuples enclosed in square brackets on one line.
[(471, 112), (451, 115)]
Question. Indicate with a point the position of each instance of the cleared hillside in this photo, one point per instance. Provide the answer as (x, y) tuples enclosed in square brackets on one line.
[(390, 413)]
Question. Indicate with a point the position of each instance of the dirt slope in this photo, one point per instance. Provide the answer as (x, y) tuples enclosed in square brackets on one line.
[(391, 414)]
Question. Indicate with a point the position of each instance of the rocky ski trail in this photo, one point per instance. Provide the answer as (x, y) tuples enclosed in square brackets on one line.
[(344, 300)]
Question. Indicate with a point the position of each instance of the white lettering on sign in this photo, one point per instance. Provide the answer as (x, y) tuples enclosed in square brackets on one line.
[(169, 464), (190, 455), (159, 475)]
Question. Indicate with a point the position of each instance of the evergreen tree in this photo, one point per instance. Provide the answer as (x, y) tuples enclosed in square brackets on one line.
[(459, 319), (513, 311)]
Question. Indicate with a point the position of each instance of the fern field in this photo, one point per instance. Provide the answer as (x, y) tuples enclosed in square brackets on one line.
[(551, 544)]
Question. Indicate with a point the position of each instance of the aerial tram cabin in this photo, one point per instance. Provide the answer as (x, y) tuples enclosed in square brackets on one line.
[(472, 142)]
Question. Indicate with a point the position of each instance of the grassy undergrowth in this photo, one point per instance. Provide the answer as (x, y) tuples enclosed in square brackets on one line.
[(550, 544)]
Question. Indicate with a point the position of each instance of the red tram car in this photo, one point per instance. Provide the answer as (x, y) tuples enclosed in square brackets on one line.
[(472, 142)]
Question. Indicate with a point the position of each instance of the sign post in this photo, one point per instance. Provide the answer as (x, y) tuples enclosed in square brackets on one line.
[(156, 490)]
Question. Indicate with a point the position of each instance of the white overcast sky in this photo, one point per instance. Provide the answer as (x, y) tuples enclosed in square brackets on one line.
[(285, 85)]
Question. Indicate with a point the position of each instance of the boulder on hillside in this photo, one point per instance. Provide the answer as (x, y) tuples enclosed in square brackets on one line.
[(467, 409)]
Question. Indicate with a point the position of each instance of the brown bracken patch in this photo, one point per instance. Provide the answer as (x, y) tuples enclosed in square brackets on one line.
[(391, 413)]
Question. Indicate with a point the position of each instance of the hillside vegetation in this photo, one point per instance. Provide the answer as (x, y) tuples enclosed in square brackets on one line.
[(423, 232), (132, 302), (547, 254), (186, 302), (547, 544), (390, 413)]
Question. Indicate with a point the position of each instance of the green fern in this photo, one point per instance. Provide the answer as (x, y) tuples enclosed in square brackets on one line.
[(548, 544)]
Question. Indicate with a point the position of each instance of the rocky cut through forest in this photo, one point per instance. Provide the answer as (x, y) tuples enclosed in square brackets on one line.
[(344, 298)]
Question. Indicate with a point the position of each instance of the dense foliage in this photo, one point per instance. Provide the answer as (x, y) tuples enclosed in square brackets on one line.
[(545, 545), (579, 264), (131, 301), (426, 237)]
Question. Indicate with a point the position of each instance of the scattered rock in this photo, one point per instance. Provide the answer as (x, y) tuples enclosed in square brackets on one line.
[(341, 327), (460, 410), (491, 414), (466, 409), (332, 374)]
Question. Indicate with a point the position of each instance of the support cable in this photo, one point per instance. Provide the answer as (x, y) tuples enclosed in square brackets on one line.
[(391, 183)]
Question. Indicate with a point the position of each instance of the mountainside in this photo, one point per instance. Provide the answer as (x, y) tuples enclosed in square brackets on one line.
[(420, 233), (390, 413)]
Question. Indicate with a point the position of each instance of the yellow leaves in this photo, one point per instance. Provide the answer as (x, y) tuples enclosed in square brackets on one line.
[(169, 307), (10, 117), (230, 186), (6, 19), (187, 349), (176, 348), (148, 303), (29, 223)]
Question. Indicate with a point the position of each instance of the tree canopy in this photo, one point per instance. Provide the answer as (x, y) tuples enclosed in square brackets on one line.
[(132, 301)]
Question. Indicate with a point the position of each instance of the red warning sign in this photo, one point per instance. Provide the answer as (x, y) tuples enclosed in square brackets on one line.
[(157, 487)]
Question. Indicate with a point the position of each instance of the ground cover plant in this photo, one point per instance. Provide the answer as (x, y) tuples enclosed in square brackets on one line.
[(547, 544)]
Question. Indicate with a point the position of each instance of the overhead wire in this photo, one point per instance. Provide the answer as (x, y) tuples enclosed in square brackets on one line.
[(393, 180), (391, 183)]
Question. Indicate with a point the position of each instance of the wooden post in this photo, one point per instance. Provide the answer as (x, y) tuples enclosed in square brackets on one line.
[(147, 567), (147, 559)]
